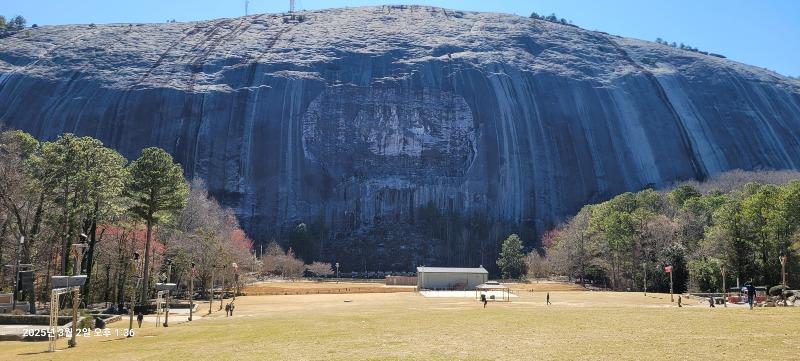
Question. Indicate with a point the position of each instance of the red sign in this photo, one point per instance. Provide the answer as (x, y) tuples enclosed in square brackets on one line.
[(668, 269)]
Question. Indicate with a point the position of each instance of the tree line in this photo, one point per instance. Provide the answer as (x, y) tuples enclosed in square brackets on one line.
[(740, 222), (12, 24), (551, 18), (686, 47), (75, 190)]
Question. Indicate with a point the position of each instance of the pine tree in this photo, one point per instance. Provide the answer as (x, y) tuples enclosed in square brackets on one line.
[(158, 191), (512, 259), (17, 23)]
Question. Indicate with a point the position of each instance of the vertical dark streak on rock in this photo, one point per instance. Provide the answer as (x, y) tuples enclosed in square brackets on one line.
[(697, 166)]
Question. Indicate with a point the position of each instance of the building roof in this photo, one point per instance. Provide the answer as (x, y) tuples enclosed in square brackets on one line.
[(451, 270), (491, 285)]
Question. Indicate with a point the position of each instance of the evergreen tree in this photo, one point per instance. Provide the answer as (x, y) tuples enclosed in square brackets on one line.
[(17, 23), (300, 240), (158, 191), (681, 194), (512, 259)]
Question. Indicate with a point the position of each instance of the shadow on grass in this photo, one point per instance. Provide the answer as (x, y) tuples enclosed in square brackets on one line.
[(116, 339), (35, 353)]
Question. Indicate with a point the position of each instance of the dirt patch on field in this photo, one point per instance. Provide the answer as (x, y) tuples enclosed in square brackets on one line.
[(544, 286), (315, 288)]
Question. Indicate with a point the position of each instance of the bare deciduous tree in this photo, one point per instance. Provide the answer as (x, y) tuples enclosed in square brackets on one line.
[(320, 269)]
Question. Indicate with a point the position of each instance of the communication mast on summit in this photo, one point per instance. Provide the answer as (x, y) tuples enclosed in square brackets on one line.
[(292, 16), (246, 5)]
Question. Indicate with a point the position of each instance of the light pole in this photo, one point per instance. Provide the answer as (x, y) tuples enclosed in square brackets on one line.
[(16, 274), (191, 291), (235, 279), (108, 283), (77, 252), (133, 294), (783, 278), (211, 290), (783, 270), (724, 290), (222, 295), (644, 269), (169, 293)]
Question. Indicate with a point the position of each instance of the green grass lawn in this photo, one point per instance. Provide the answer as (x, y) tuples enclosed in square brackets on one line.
[(579, 325)]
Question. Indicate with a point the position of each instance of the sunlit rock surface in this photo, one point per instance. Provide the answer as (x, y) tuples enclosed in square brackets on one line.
[(357, 118)]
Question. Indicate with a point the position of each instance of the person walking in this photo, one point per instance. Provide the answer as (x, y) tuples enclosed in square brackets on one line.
[(679, 302), (751, 293), (483, 299), (139, 319), (548, 299), (711, 301), (227, 310), (232, 307)]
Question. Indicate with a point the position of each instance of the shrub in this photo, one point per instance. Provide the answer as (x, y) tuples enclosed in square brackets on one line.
[(705, 274)]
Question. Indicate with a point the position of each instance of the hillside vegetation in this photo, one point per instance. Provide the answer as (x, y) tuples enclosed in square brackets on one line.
[(740, 221)]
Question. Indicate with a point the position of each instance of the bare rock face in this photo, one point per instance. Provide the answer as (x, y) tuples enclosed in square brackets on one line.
[(363, 121)]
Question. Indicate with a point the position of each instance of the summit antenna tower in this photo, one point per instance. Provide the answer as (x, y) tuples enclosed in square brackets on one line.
[(291, 6), (246, 6)]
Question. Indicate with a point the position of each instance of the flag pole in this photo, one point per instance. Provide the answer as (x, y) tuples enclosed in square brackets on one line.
[(671, 297)]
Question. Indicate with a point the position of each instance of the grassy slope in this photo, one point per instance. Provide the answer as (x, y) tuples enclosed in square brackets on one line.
[(580, 325)]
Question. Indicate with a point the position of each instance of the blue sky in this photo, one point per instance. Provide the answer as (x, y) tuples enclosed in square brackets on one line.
[(763, 33)]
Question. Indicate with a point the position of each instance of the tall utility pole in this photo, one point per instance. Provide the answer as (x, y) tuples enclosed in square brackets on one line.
[(291, 6), (246, 5)]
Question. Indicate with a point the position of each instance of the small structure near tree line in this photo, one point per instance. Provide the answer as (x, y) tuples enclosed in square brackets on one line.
[(493, 286), (450, 278)]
